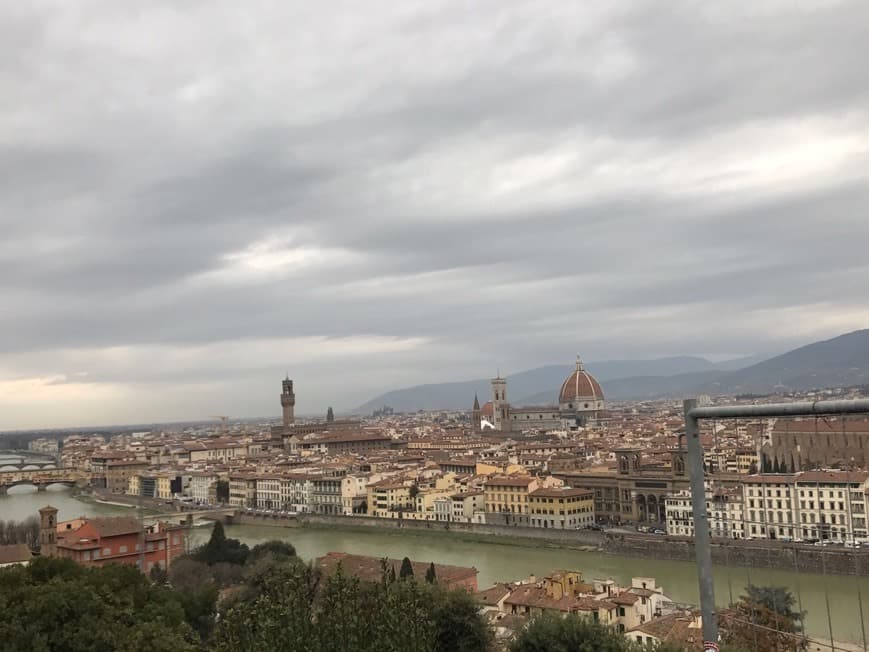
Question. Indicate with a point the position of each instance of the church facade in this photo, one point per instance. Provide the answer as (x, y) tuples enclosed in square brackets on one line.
[(580, 403)]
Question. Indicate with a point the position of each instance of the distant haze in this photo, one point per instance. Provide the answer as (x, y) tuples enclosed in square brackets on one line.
[(199, 197)]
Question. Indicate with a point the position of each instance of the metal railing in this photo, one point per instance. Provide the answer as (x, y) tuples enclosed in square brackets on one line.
[(693, 415)]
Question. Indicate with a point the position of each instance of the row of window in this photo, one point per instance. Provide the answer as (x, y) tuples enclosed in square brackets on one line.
[(579, 510)]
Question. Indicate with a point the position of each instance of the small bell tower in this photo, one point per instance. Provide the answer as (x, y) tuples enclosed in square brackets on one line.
[(48, 531)]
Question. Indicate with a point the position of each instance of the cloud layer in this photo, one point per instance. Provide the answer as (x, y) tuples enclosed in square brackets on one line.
[(197, 197)]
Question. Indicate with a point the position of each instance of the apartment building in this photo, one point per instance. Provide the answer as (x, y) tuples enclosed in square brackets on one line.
[(202, 487), (268, 493), (561, 508), (466, 505), (242, 490), (296, 492), (326, 495), (832, 505), (389, 497), (724, 511), (507, 499), (353, 494)]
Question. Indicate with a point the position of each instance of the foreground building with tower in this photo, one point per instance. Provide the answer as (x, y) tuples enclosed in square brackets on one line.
[(110, 540), (580, 403)]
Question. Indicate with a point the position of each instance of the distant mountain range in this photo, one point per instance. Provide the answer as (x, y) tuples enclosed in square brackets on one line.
[(841, 361)]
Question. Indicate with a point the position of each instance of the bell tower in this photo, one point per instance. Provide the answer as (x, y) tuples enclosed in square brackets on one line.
[(500, 407), (288, 402), (48, 531)]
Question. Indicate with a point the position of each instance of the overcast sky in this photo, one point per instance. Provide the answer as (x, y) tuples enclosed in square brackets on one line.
[(197, 197)]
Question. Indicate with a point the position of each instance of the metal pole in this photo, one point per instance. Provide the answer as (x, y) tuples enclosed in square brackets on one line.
[(702, 549), (856, 406)]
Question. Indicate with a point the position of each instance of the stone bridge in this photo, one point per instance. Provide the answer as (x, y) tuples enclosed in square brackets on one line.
[(27, 466), (41, 478)]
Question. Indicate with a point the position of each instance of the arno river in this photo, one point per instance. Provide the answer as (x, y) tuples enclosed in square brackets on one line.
[(501, 562)]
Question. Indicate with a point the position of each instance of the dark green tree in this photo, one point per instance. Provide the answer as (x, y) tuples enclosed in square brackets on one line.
[(54, 604), (341, 623), (772, 610), (406, 570), (572, 633), (459, 627), (158, 574), (430, 574), (221, 549), (279, 618), (276, 548)]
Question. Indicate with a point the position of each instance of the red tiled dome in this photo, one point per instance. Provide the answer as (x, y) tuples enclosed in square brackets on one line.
[(580, 386)]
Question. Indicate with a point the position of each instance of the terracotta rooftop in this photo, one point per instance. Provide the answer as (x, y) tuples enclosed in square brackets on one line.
[(15, 553), (514, 481), (678, 629), (369, 569), (563, 492), (494, 594)]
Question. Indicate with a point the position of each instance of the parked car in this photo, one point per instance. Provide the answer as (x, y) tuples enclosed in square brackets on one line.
[(658, 531)]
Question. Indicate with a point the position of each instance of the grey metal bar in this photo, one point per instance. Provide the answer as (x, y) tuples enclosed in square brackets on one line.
[(703, 550), (696, 467), (806, 408)]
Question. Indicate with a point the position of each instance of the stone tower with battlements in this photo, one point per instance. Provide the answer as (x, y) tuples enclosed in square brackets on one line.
[(288, 402)]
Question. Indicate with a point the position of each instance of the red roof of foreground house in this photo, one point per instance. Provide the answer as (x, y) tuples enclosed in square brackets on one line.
[(370, 569), (15, 554)]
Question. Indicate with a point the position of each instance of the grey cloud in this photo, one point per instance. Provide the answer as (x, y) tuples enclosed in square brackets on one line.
[(125, 194)]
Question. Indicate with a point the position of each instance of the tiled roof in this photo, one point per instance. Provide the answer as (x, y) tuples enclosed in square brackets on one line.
[(514, 481), (15, 553), (494, 594), (369, 569)]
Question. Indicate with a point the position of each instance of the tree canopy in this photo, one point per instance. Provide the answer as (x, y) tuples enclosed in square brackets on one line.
[(55, 604), (572, 633), (765, 617), (298, 610), (221, 549)]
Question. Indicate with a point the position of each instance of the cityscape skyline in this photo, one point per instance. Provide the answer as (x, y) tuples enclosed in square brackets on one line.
[(414, 195)]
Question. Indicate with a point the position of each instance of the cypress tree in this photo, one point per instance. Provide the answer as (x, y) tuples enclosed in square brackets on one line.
[(406, 569), (430, 575)]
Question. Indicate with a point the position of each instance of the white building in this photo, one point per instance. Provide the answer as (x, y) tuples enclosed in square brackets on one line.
[(723, 510), (268, 493), (200, 484), (354, 491)]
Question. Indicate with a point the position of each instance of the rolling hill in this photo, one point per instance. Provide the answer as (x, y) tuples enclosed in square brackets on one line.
[(542, 383), (837, 362)]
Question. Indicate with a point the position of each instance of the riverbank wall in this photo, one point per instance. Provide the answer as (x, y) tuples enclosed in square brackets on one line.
[(752, 554), (747, 553)]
